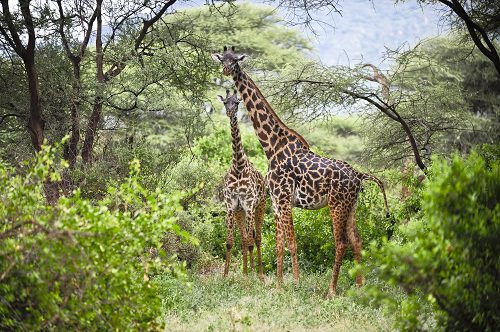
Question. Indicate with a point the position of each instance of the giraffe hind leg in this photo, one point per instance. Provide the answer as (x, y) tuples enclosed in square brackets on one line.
[(355, 240), (339, 217), (229, 239)]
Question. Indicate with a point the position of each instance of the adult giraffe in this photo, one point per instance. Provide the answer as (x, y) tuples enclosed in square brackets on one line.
[(298, 177)]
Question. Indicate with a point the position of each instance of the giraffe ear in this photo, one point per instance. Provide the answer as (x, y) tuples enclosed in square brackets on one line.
[(242, 58), (217, 57), (221, 99)]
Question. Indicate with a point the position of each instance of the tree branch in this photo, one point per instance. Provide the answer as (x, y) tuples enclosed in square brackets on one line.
[(117, 67), (28, 21), (14, 38), (489, 50), (3, 117), (388, 110)]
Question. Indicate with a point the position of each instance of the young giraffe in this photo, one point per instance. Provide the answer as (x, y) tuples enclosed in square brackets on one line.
[(244, 195), (298, 177)]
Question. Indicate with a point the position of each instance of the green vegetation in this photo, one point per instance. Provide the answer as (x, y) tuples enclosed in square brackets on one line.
[(80, 265), (447, 257), (246, 304), (129, 233)]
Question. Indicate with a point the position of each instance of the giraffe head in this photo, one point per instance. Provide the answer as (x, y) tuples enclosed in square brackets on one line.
[(231, 103), (229, 59)]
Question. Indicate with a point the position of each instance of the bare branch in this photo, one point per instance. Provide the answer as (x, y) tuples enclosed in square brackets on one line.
[(117, 67), (3, 117), (489, 49), (13, 39)]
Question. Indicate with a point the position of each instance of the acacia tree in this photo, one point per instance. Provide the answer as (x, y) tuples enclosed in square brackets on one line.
[(481, 20), (415, 114), (82, 17), (18, 30), (118, 21), (347, 86)]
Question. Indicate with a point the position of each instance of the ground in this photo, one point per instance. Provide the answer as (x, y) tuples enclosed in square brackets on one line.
[(236, 303)]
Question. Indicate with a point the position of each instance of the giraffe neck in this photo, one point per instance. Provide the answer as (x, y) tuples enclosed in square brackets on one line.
[(239, 158), (272, 133)]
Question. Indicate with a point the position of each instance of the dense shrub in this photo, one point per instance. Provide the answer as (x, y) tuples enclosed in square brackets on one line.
[(217, 147), (112, 166), (79, 265), (448, 259)]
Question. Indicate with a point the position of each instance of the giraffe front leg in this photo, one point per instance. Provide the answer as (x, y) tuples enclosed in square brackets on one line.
[(285, 219), (259, 220), (292, 244), (250, 231), (282, 206), (292, 241), (229, 240), (240, 219), (280, 246)]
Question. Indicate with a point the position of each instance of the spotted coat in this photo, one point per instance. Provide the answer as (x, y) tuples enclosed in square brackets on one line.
[(299, 177), (243, 194)]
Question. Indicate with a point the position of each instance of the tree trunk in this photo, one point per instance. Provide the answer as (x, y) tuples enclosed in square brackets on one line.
[(35, 120), (90, 133), (476, 32), (71, 150), (115, 69), (95, 117), (36, 123), (413, 143)]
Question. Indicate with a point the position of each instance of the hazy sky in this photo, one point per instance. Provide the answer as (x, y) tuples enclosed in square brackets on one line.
[(366, 28)]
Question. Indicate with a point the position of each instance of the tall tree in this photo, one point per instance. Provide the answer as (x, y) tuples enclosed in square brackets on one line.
[(15, 29), (407, 112), (481, 20), (122, 19), (85, 15)]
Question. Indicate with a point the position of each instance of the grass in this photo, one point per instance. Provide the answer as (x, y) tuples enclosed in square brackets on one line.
[(236, 303)]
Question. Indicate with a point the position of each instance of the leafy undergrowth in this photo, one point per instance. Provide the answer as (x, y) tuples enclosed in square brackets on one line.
[(236, 303)]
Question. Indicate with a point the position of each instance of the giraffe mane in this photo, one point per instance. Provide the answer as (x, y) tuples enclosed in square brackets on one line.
[(270, 109)]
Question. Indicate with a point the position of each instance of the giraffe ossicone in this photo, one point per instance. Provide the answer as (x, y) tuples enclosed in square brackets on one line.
[(244, 195), (297, 177)]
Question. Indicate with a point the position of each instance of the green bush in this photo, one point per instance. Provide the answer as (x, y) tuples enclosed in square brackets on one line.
[(448, 260), (112, 167), (79, 265), (217, 147)]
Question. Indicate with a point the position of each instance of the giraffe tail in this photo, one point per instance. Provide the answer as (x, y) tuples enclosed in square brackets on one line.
[(391, 219)]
